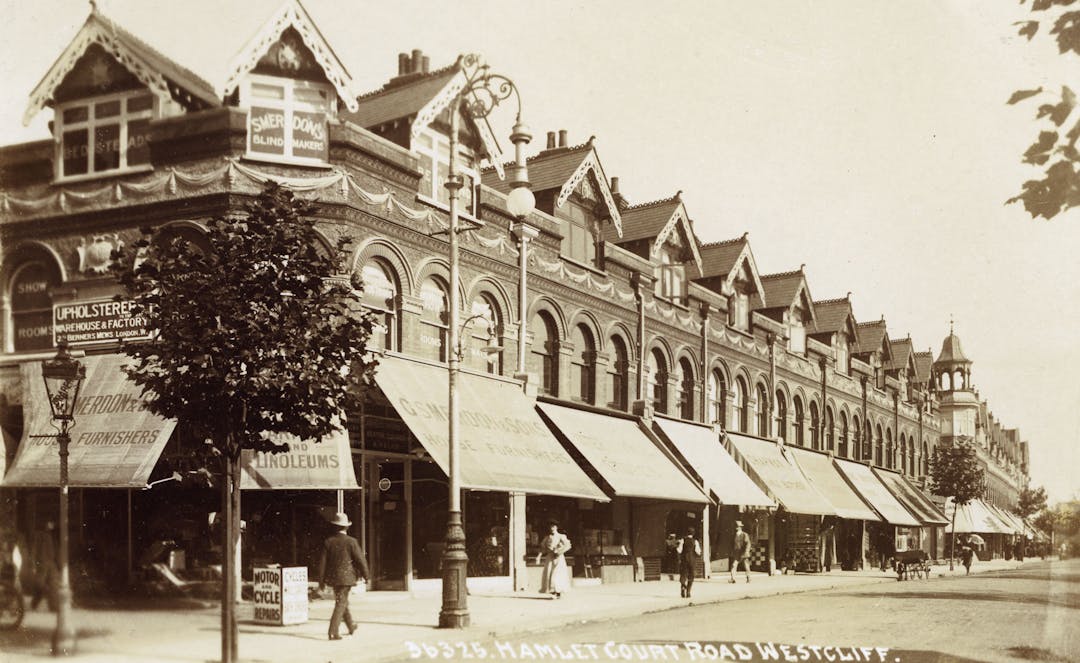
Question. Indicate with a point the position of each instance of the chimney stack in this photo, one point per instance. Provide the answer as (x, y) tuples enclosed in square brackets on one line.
[(614, 184), (402, 64), (562, 137), (551, 140), (417, 58), (425, 64)]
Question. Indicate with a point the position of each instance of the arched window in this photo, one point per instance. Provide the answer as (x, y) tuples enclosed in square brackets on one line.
[(815, 430), (583, 366), (762, 410), (842, 447), (878, 451), (484, 333), (830, 433), (434, 317), (890, 450), (658, 380), (31, 305), (686, 389), (911, 457), (381, 296), (717, 397), (903, 454), (543, 353), (739, 396), (925, 459), (619, 374), (856, 440), (780, 409), (799, 423)]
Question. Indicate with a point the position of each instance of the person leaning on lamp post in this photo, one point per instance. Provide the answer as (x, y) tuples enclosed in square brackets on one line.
[(342, 564), (740, 552)]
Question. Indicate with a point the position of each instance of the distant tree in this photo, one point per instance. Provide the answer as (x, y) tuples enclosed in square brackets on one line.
[(1055, 150), (1032, 501), (955, 473), (1062, 523), (253, 332)]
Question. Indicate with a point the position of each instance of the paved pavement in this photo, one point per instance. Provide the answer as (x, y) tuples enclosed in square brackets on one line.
[(389, 621)]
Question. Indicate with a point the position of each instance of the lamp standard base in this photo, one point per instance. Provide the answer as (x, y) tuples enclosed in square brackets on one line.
[(63, 637), (455, 563)]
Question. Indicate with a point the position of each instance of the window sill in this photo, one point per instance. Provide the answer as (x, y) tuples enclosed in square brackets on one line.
[(314, 164), (116, 172)]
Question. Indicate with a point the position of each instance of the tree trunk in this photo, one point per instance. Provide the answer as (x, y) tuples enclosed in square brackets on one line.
[(230, 497), (952, 541)]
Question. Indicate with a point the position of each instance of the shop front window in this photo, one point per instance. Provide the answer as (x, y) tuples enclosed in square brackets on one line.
[(31, 306), (487, 532)]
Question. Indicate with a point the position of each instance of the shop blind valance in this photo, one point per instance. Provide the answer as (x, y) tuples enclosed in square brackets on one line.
[(862, 478), (779, 476), (821, 472)]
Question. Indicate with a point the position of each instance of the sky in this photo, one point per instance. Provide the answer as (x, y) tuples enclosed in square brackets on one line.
[(867, 140)]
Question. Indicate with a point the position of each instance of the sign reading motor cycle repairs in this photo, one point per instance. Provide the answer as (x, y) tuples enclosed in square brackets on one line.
[(280, 596), (98, 321)]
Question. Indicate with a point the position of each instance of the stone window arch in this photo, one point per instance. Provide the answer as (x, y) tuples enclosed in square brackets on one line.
[(780, 412), (658, 379), (762, 410), (434, 318), (740, 397), (685, 385), (583, 365), (717, 388), (380, 295), (799, 421), (619, 374), (815, 426), (830, 430), (30, 290), (844, 441), (544, 352)]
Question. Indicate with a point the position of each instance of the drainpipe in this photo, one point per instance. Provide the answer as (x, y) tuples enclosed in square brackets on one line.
[(772, 384), (896, 428), (639, 294), (704, 400), (822, 364), (866, 424)]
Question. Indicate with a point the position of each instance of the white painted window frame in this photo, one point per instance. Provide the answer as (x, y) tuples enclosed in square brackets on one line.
[(92, 123)]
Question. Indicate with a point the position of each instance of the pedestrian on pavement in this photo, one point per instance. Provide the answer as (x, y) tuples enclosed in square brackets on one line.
[(740, 552), (342, 564), (966, 555), (689, 551), (671, 555), (1018, 549), (46, 567), (553, 548)]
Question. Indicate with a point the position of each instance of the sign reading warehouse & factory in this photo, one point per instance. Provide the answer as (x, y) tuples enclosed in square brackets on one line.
[(98, 321)]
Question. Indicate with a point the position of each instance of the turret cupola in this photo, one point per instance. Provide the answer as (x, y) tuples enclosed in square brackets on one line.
[(952, 369)]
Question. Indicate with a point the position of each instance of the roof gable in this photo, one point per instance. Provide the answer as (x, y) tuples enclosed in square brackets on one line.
[(903, 355), (786, 290), (924, 362), (873, 337), (727, 259), (835, 315), (167, 76)]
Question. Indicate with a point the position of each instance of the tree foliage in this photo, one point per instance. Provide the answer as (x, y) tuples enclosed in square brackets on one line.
[(1032, 501), (1054, 151), (955, 472), (253, 331)]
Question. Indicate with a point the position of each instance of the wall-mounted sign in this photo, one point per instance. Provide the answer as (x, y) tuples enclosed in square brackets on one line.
[(98, 321), (288, 134)]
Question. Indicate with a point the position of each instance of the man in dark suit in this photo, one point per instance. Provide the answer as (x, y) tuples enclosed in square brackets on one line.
[(689, 551), (341, 566)]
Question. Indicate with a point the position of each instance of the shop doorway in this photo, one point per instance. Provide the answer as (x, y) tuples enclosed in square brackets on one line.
[(388, 519)]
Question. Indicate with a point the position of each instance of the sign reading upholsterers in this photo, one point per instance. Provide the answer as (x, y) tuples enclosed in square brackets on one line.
[(98, 321)]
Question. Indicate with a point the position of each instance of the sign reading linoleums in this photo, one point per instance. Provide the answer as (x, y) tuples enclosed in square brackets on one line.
[(286, 134), (305, 465), (115, 439), (98, 321)]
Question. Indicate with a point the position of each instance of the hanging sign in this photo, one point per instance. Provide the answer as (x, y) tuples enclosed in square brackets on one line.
[(98, 321)]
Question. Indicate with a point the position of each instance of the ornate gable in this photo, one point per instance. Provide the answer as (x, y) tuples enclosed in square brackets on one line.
[(678, 232), (745, 267), (591, 164), (292, 15)]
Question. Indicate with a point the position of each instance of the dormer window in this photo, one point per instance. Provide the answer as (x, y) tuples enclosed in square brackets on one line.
[(670, 282), (287, 119), (579, 241), (104, 135), (796, 334), (434, 150)]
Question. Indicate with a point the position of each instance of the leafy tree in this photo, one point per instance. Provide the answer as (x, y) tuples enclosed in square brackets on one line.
[(1055, 150), (1031, 501), (955, 472), (253, 333)]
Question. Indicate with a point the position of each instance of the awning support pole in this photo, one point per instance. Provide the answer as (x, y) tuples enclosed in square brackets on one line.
[(130, 542)]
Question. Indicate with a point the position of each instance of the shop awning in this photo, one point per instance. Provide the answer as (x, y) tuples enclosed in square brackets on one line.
[(911, 498), (876, 494), (824, 476), (778, 476), (621, 451), (504, 444), (974, 518), (323, 465), (701, 447), (115, 441), (1003, 516)]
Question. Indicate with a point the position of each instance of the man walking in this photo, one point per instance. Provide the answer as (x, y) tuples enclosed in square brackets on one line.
[(341, 566), (689, 552), (740, 552)]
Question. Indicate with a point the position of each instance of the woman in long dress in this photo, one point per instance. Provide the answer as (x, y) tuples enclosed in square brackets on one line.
[(553, 548)]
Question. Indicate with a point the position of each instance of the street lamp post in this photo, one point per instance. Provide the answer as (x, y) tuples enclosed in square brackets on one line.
[(63, 377), (482, 92)]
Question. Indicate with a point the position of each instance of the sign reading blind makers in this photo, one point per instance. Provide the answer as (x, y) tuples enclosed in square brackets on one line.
[(266, 128), (97, 321)]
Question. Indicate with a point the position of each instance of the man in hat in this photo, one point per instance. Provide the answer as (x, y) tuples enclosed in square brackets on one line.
[(740, 552), (341, 566), (689, 551)]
